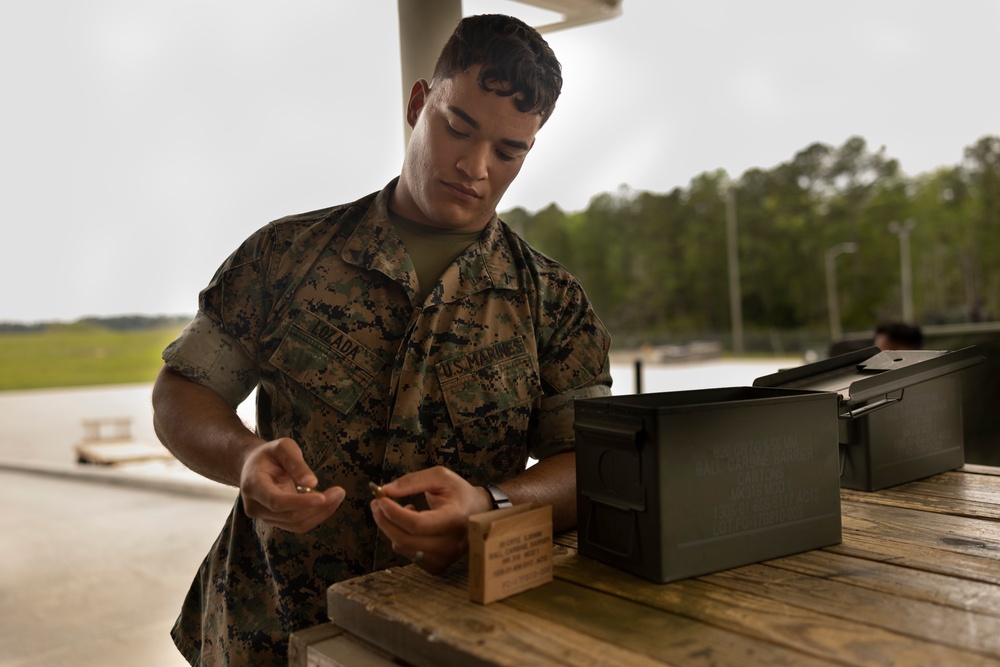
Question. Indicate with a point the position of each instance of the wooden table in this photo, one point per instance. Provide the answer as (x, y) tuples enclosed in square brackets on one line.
[(916, 581)]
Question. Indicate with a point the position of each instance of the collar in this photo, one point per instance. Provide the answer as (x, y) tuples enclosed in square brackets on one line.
[(487, 264)]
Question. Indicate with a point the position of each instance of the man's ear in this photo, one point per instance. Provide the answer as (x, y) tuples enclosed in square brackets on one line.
[(418, 98)]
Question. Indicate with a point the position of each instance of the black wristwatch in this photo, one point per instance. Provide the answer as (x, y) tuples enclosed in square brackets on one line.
[(500, 499)]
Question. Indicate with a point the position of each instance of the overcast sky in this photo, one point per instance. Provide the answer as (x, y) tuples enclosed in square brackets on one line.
[(141, 141)]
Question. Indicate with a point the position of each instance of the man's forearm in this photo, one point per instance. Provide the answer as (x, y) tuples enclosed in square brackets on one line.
[(200, 428), (551, 481)]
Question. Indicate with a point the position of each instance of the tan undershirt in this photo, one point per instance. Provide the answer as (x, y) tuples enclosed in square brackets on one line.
[(431, 249)]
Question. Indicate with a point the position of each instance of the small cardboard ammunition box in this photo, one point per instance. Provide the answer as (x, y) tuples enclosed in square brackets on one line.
[(901, 411), (678, 484)]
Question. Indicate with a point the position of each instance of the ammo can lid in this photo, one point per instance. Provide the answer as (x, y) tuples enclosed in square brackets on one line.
[(870, 373)]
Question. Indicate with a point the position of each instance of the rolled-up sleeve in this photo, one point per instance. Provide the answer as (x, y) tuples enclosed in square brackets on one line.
[(554, 433), (205, 354), (218, 349)]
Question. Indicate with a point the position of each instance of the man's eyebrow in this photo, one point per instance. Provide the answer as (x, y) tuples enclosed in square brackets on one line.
[(464, 116), (513, 143)]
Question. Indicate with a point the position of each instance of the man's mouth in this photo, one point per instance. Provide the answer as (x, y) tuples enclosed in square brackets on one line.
[(463, 190)]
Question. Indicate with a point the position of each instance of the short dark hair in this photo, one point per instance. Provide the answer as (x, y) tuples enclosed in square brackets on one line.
[(516, 61)]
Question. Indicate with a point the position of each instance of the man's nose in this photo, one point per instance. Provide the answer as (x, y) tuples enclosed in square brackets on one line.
[(473, 161)]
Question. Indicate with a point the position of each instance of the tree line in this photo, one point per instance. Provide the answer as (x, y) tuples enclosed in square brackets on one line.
[(111, 323), (657, 266)]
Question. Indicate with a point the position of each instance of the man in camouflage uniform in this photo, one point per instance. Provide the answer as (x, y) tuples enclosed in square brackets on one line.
[(409, 338)]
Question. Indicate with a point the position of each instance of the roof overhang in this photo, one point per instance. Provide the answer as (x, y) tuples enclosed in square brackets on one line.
[(576, 12)]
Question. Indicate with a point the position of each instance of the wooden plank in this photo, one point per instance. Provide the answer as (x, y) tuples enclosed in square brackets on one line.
[(756, 614), (980, 469), (695, 640), (957, 534), (890, 579), (957, 493), (920, 541), (922, 619), (347, 650), (567, 539), (299, 641), (938, 561), (960, 486), (431, 622), (924, 503), (328, 645), (668, 636)]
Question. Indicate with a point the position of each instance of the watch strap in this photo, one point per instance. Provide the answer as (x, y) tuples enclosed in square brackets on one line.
[(500, 499)]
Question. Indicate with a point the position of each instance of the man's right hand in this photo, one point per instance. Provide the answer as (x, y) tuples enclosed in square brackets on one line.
[(270, 474), (206, 434)]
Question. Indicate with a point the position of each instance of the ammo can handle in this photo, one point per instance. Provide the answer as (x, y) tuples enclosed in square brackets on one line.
[(872, 407)]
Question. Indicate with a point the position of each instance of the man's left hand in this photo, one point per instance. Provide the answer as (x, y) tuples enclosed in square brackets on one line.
[(436, 537)]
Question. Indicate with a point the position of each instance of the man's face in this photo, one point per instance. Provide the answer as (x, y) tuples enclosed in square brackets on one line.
[(466, 148)]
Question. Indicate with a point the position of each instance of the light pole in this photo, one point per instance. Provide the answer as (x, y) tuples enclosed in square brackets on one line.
[(831, 285), (733, 259), (906, 277)]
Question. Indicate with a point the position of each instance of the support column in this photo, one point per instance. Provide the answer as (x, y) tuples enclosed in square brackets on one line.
[(424, 27)]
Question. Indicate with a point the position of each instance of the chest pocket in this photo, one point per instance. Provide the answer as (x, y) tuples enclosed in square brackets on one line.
[(326, 361), (488, 381)]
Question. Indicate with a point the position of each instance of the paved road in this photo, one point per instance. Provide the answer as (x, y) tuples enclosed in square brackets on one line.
[(93, 574)]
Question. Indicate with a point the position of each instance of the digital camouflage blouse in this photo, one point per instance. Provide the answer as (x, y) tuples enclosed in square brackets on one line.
[(318, 312)]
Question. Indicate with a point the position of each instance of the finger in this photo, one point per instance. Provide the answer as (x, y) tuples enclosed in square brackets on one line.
[(302, 523), (384, 523), (403, 541), (390, 515), (335, 494), (432, 561), (437, 553), (427, 480), (302, 520), (283, 507), (408, 520), (289, 456), (314, 498), (332, 498)]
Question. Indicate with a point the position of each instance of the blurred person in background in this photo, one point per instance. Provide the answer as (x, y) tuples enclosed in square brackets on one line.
[(898, 336)]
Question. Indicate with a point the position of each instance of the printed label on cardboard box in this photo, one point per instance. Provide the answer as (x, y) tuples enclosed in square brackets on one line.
[(510, 551)]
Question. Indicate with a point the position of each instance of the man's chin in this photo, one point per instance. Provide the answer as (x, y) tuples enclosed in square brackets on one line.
[(459, 218)]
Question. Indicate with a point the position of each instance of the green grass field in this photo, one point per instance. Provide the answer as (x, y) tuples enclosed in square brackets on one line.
[(81, 354)]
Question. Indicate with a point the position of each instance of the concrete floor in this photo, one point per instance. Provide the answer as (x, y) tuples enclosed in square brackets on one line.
[(93, 574)]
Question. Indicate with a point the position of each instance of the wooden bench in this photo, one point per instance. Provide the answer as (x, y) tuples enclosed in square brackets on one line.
[(108, 442)]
